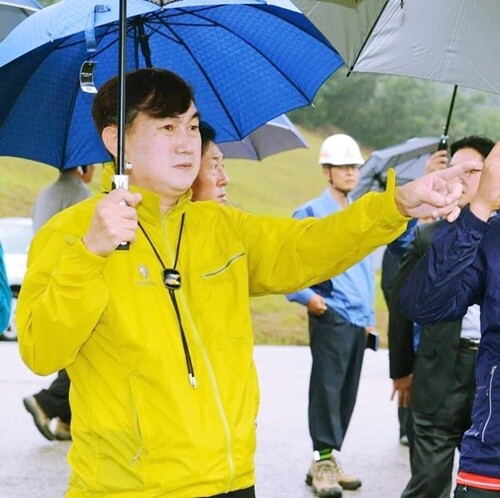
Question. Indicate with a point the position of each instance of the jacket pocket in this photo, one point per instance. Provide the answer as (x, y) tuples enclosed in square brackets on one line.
[(222, 266), (220, 288), (138, 420)]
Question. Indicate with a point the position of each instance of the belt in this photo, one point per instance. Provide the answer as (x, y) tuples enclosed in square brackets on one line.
[(472, 344)]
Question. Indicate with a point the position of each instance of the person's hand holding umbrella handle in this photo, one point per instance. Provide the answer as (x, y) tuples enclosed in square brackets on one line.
[(121, 181), (437, 161), (115, 221)]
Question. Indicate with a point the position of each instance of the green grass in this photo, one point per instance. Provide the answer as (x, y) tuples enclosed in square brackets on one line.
[(275, 186)]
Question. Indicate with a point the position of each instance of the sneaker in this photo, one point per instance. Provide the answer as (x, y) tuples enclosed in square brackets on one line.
[(63, 431), (323, 479), (40, 418), (345, 480)]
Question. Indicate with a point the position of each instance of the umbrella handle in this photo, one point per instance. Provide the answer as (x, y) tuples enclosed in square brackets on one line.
[(121, 181)]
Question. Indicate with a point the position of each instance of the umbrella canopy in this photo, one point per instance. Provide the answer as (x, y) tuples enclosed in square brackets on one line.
[(277, 135), (237, 57), (452, 41), (407, 158), (12, 12)]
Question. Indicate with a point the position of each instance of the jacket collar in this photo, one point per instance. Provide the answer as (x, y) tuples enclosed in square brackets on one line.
[(149, 207)]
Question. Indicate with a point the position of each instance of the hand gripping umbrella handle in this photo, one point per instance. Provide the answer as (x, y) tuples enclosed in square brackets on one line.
[(121, 181)]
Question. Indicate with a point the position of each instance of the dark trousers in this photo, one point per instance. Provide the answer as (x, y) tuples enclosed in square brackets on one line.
[(462, 491), (436, 436), (402, 410), (410, 431), (337, 349), (242, 493), (55, 400)]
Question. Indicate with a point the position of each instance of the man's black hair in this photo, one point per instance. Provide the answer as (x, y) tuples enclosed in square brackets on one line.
[(482, 145), (208, 135)]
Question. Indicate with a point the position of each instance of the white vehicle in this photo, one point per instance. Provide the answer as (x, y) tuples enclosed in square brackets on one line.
[(15, 236)]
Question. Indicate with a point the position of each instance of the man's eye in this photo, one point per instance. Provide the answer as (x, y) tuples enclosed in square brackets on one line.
[(168, 127)]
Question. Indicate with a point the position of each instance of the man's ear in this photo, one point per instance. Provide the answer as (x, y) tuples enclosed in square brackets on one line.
[(110, 139), (328, 175)]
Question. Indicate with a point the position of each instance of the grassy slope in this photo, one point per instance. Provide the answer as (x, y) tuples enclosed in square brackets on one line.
[(274, 186)]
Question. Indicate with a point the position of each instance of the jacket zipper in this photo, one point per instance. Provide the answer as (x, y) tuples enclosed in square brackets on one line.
[(490, 402), (215, 389), (213, 381)]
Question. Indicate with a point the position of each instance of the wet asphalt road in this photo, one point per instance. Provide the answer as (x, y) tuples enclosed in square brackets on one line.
[(32, 467)]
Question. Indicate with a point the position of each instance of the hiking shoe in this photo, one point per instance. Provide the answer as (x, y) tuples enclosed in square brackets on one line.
[(323, 478), (345, 480), (63, 431), (40, 418)]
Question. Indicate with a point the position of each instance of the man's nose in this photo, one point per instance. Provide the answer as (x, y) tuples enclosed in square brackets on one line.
[(184, 142), (223, 179)]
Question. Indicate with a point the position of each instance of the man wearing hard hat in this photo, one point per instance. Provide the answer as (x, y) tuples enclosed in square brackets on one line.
[(341, 313)]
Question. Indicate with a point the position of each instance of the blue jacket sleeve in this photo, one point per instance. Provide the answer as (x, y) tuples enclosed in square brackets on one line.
[(5, 295), (450, 276)]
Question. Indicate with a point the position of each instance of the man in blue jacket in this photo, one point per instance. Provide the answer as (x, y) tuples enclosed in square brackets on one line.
[(461, 268), (340, 312)]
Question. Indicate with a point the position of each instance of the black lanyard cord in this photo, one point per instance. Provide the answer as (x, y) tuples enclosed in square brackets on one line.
[(172, 281)]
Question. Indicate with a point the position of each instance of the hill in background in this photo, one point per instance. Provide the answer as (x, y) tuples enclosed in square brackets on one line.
[(274, 186)]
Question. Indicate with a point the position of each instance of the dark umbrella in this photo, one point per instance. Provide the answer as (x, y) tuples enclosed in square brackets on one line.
[(407, 158)]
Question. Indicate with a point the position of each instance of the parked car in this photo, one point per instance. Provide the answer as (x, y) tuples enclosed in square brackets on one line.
[(15, 236)]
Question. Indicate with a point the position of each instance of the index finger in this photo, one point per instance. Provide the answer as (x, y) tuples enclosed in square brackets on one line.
[(454, 171)]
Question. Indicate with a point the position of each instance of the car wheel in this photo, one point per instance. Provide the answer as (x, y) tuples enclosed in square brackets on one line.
[(10, 333)]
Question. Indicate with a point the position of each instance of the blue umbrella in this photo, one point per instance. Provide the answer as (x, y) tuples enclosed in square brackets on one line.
[(247, 63), (12, 12)]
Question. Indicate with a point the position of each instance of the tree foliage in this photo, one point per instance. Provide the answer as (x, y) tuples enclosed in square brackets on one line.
[(381, 110)]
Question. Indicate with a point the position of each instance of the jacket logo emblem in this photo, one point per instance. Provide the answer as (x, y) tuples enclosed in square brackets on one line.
[(143, 271)]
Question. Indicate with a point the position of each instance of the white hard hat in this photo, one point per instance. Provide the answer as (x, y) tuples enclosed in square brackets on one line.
[(339, 150)]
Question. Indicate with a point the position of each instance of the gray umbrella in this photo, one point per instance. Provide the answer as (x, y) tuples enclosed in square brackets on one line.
[(12, 12), (407, 158), (277, 135), (452, 41)]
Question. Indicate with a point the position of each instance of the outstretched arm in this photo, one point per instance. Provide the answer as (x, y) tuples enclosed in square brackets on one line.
[(435, 194)]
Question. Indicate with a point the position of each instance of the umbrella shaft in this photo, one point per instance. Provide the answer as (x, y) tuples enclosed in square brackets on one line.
[(120, 165)]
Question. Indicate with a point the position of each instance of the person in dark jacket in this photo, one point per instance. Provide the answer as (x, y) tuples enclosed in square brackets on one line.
[(391, 261), (439, 377), (461, 269)]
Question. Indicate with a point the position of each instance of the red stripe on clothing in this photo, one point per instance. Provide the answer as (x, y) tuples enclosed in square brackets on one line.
[(477, 481)]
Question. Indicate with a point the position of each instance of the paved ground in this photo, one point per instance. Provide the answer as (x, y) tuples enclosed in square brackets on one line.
[(31, 467)]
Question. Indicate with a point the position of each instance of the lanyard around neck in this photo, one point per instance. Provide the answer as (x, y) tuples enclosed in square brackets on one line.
[(171, 278)]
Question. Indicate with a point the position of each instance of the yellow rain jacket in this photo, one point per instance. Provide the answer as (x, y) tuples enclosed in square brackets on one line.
[(139, 429)]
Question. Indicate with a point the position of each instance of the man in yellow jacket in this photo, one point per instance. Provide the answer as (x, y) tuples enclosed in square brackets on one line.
[(157, 339)]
